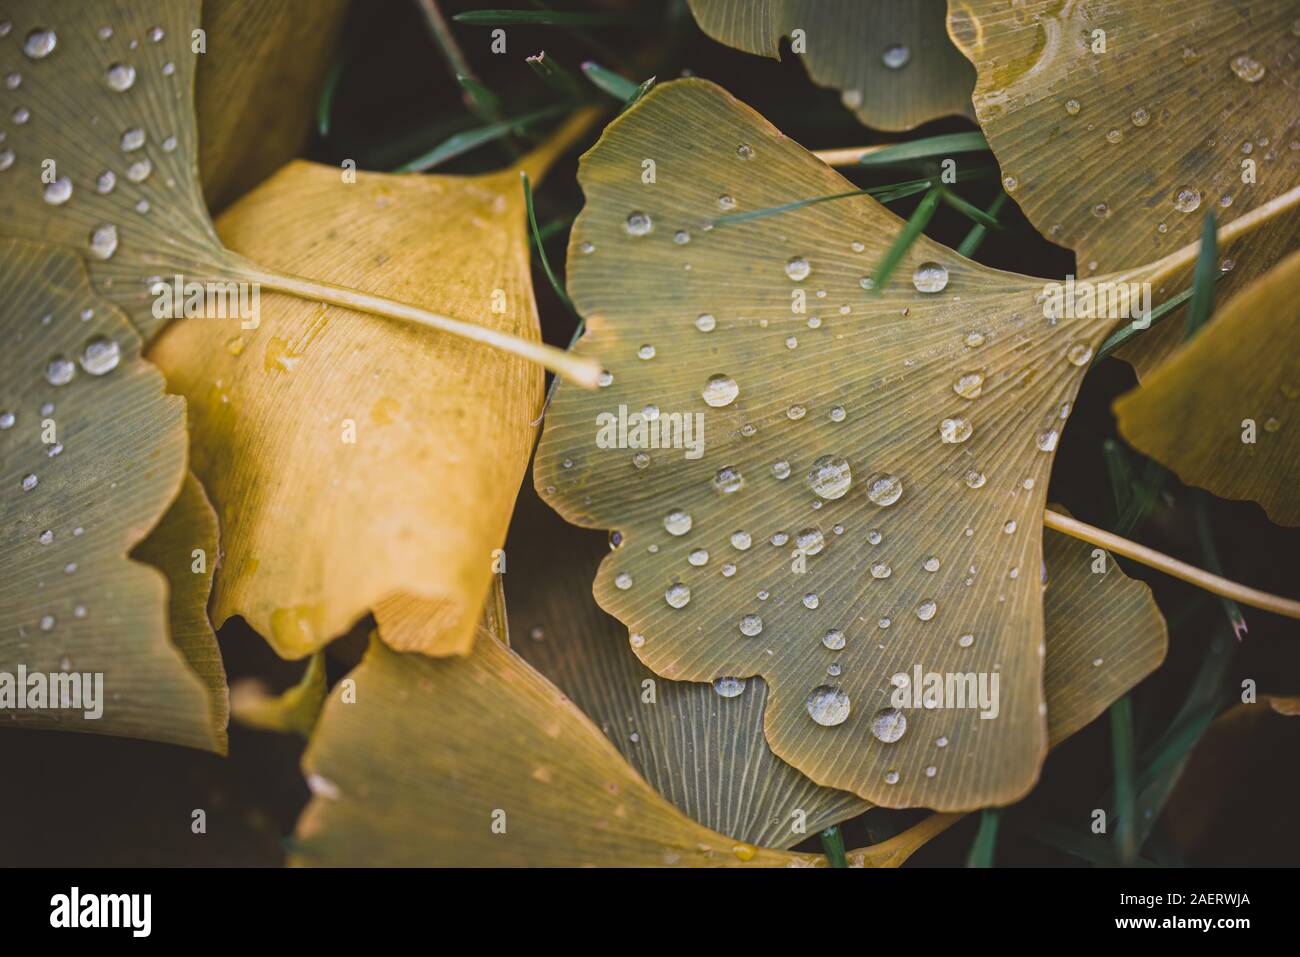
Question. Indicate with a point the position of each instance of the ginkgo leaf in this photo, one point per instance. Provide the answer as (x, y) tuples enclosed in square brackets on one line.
[(1173, 109), (184, 547), (891, 60), (900, 439), (702, 746), (479, 761), (257, 86), (91, 452), (358, 464), (1223, 411), (293, 710), (102, 158)]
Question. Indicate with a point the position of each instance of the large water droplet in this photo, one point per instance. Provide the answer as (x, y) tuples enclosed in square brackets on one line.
[(798, 269), (132, 139), (121, 77), (751, 625), (741, 540), (926, 609), (888, 725), (720, 390), (729, 687), (830, 477), (638, 224), (58, 192), (828, 706), (930, 277), (884, 489), (40, 43), (677, 595), (810, 541), (100, 356), (728, 480), (1186, 200), (1247, 68), (103, 241)]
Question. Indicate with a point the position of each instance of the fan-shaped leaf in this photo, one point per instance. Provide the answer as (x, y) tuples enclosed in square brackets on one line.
[(91, 452), (257, 85), (1223, 412), (900, 439), (890, 59), (358, 464), (1170, 108)]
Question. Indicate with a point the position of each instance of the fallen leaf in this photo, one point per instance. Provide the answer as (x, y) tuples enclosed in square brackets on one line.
[(92, 451), (900, 439), (358, 464), (257, 87), (1169, 107), (890, 59), (1223, 411)]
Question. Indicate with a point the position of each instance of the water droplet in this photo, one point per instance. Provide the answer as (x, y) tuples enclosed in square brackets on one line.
[(1072, 107), (677, 595), (1080, 354), (105, 183), (891, 777), (884, 489), (953, 431), (798, 269), (121, 77), (969, 386), (623, 581), (1101, 210), (781, 469), (29, 482), (46, 623), (103, 241), (638, 224), (745, 152), (641, 460), (811, 600), (881, 570), (810, 541), (100, 356), (833, 639), (58, 192), (40, 43), (132, 139), (830, 477), (22, 115), (874, 537), (677, 522), (7, 420), (751, 625), (1009, 183), (705, 323), (1140, 117), (721, 390), (6, 159), (45, 537), (795, 413), (728, 480), (930, 277), (974, 339), (60, 371), (1186, 200), (155, 34), (1009, 528), (681, 237), (139, 171), (828, 706), (741, 541), (698, 557), (926, 609), (1247, 68), (646, 352), (931, 564), (966, 640), (14, 80), (729, 687), (888, 725), (635, 640), (1046, 441), (605, 379), (1114, 136), (896, 56)]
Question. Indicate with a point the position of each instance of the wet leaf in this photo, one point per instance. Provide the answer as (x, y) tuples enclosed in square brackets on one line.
[(92, 451), (294, 710), (257, 85), (901, 439), (1223, 411), (102, 159), (356, 463), (702, 746), (890, 59), (1186, 99)]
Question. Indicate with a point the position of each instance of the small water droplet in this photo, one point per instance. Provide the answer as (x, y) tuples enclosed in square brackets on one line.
[(698, 557), (646, 352), (103, 241), (1046, 441), (677, 522), (969, 386), (132, 139), (830, 477), (721, 390), (638, 224), (930, 277), (896, 56), (888, 725), (58, 192), (1140, 116), (1247, 68), (781, 469), (1080, 354), (798, 269), (728, 480), (677, 595), (1187, 199), (741, 540), (705, 322), (833, 639), (751, 625), (623, 581), (881, 570), (60, 370), (884, 489), (926, 609), (121, 77), (828, 706), (729, 687), (40, 43), (29, 482), (101, 355), (811, 600), (1072, 107), (745, 152), (953, 431)]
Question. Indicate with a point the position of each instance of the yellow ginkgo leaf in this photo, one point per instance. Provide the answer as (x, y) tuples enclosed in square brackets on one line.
[(1224, 411), (1173, 109), (102, 157), (257, 87), (91, 452), (807, 470), (891, 60), (357, 464)]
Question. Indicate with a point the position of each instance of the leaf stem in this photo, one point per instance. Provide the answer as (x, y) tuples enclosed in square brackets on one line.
[(1216, 584)]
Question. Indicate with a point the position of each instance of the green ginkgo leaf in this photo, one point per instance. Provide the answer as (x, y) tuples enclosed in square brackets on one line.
[(859, 473), (1172, 108), (891, 60), (92, 450)]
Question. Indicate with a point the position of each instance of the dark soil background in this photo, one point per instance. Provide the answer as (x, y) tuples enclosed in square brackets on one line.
[(73, 799)]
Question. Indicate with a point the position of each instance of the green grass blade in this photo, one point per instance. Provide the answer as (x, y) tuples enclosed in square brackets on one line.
[(619, 87), (1210, 555), (1202, 281), (931, 146), (469, 140), (541, 250), (969, 210), (556, 75), (913, 228), (975, 238), (328, 90), (1122, 749), (986, 839), (833, 845)]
